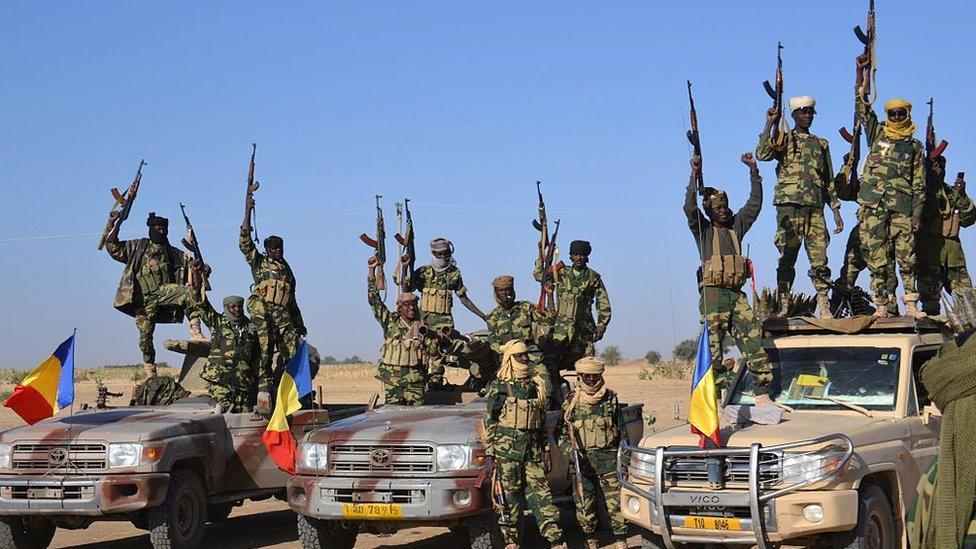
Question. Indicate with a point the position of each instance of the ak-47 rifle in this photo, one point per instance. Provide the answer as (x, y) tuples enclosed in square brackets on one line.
[(547, 247), (781, 128), (868, 89), (252, 186), (577, 468), (695, 140), (932, 150), (378, 244), (408, 249), (192, 245), (121, 206)]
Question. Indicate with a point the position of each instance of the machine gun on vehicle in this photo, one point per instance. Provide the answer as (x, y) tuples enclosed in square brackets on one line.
[(103, 394), (782, 128), (121, 206), (378, 244)]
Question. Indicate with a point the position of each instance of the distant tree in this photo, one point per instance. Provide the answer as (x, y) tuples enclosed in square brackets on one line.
[(611, 355), (652, 357), (328, 359), (686, 349), (354, 359)]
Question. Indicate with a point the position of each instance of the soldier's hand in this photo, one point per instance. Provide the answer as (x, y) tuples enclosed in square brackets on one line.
[(916, 223), (264, 403), (696, 164), (749, 160), (196, 265), (372, 262), (862, 61), (114, 214), (405, 259), (763, 400), (838, 222), (771, 116), (302, 331), (600, 331), (549, 288), (960, 184)]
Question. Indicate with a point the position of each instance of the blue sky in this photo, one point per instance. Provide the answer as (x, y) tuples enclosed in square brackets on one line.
[(459, 105)]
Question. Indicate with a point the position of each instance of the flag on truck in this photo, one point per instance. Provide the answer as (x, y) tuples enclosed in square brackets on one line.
[(703, 410), (296, 383), (49, 388)]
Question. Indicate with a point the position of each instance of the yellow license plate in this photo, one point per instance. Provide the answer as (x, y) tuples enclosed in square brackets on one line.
[(713, 523), (372, 511)]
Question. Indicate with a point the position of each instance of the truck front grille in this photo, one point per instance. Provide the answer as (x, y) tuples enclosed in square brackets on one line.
[(352, 495), (58, 456), (693, 470), (365, 458)]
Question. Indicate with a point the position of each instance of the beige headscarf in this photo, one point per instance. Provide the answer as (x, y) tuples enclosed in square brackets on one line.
[(589, 394), (512, 369), (903, 129)]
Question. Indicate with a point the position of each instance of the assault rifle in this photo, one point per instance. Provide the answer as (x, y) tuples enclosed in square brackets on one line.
[(547, 247), (932, 151), (867, 90), (191, 243), (121, 206), (695, 140), (252, 186), (408, 249), (781, 128), (378, 244)]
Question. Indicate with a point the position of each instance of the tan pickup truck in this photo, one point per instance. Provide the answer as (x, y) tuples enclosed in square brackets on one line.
[(839, 470)]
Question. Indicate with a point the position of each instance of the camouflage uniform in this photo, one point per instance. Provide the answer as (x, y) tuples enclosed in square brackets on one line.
[(573, 326), (522, 457), (272, 306), (803, 176), (723, 305), (941, 260), (233, 369), (436, 304), (892, 194), (523, 321), (403, 357)]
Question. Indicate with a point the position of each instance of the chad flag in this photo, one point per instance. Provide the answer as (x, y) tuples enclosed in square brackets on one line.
[(49, 388), (703, 410), (296, 382)]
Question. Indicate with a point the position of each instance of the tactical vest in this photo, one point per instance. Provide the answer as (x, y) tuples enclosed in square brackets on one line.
[(400, 350), (154, 271), (597, 433), (234, 339), (949, 216), (574, 299), (436, 300), (725, 271), (522, 414), (275, 286)]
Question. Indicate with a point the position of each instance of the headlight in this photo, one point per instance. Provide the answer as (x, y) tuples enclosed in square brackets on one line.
[(799, 468), (452, 457), (125, 454), (5, 451), (313, 456)]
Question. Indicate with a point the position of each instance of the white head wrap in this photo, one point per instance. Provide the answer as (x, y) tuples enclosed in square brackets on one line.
[(802, 101)]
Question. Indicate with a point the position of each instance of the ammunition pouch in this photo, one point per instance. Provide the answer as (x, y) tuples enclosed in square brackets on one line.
[(725, 270), (596, 433), (950, 225), (522, 414), (275, 291), (151, 276), (402, 352), (436, 300)]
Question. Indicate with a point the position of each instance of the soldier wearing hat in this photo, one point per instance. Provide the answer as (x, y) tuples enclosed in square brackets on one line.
[(520, 320), (803, 185), (153, 285)]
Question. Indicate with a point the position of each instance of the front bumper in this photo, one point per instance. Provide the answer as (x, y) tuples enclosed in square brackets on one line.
[(421, 500), (81, 495)]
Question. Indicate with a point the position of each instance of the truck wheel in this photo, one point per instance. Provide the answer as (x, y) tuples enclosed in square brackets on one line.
[(179, 522), (875, 525), (316, 533), (220, 511), (484, 534), (25, 533)]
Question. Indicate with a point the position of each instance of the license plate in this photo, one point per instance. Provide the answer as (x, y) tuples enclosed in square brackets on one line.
[(44, 493), (713, 523), (372, 511)]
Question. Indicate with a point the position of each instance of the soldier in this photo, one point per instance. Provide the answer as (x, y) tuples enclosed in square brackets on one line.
[(153, 285), (891, 196), (724, 271), (520, 320), (803, 186), (515, 428), (403, 358), (577, 288), (592, 429), (941, 260), (272, 304)]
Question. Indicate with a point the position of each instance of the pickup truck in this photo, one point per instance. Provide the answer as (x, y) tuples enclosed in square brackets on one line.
[(839, 469), (167, 469), (396, 467)]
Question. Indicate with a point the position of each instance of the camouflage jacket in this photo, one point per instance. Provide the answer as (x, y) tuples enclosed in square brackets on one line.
[(701, 227), (235, 353), (264, 268), (803, 170), (893, 177), (129, 297), (603, 461), (946, 210), (397, 333), (576, 291), (507, 443), (523, 321), (428, 281)]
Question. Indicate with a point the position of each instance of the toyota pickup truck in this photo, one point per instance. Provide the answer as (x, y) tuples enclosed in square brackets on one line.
[(839, 469)]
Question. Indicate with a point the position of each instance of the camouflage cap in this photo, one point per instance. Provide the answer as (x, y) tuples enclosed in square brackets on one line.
[(503, 281), (715, 198), (580, 247), (156, 220), (406, 298), (232, 299)]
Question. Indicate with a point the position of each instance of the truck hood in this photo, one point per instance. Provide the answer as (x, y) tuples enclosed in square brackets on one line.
[(396, 424)]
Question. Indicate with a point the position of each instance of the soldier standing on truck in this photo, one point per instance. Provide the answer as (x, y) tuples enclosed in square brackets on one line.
[(404, 355), (591, 431), (515, 428), (153, 285), (577, 288), (718, 234), (272, 304), (520, 320), (803, 185), (891, 196), (941, 260)]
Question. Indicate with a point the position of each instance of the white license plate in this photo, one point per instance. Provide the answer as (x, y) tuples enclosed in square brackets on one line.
[(45, 493)]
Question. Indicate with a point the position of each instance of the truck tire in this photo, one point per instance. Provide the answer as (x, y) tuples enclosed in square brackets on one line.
[(33, 533), (316, 533), (179, 523), (875, 523), (484, 534)]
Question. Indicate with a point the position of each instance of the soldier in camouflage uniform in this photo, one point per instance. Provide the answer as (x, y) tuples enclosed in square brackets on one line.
[(153, 285), (724, 271), (593, 426), (803, 185), (405, 352), (515, 428), (577, 288), (272, 304), (520, 320), (891, 196), (941, 260)]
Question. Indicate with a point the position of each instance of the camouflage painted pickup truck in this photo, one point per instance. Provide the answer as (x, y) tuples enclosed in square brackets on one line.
[(838, 471), (397, 467)]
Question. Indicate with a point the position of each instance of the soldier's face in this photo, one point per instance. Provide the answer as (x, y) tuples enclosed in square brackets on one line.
[(158, 233), (235, 309), (408, 311), (803, 117), (444, 255), (591, 379), (505, 296), (898, 115), (276, 252), (521, 358), (579, 261), (721, 215)]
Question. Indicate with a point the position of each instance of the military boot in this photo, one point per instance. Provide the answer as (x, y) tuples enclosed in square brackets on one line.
[(195, 333), (881, 310), (823, 305), (911, 306), (592, 543), (621, 544), (783, 297), (150, 369)]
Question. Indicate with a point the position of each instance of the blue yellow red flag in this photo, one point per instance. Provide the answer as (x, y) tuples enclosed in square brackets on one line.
[(47, 389), (296, 383), (703, 409)]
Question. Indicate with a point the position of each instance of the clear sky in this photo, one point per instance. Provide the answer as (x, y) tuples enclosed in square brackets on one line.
[(459, 105)]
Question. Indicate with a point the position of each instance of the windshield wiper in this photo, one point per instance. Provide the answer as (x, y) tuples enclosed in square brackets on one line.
[(844, 403)]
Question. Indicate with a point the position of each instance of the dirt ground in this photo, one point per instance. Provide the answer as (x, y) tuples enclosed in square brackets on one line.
[(271, 523)]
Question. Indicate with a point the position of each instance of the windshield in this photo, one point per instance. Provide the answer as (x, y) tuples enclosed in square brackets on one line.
[(807, 378)]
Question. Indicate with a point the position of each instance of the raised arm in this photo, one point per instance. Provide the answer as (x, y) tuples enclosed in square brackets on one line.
[(602, 309), (967, 210), (865, 114), (765, 150), (250, 251), (746, 216), (918, 184), (696, 219), (382, 314)]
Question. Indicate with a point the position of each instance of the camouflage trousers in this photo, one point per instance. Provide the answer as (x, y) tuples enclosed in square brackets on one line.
[(917, 515), (233, 385), (276, 331), (796, 226), (593, 482), (880, 229), (403, 384), (167, 295), (571, 342), (526, 478), (933, 278), (728, 312), (855, 261), (438, 361)]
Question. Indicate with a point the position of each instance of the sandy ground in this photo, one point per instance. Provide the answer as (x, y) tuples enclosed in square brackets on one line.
[(271, 524)]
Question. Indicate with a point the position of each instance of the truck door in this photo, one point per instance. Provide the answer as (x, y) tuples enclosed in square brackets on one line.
[(924, 420)]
